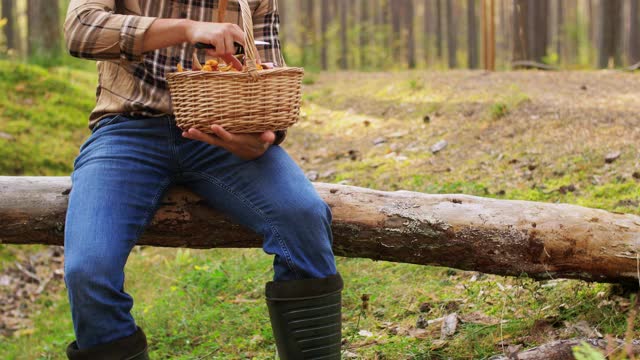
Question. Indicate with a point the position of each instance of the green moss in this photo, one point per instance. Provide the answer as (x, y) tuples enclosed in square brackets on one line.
[(45, 117)]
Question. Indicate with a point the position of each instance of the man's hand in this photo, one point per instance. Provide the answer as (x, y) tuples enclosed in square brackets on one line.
[(245, 146), (169, 32), (221, 35)]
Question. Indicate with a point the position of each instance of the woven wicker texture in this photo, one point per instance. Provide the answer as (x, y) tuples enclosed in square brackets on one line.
[(240, 102)]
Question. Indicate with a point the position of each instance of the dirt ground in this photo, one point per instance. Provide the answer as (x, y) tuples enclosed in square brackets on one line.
[(545, 136), (506, 132)]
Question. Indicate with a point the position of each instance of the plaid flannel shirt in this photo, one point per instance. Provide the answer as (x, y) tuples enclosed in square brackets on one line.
[(132, 82)]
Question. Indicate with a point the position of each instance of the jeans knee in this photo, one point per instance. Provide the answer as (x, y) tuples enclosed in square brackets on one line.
[(309, 212), (89, 273), (308, 222)]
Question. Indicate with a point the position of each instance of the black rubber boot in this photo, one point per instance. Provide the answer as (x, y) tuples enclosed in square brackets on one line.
[(132, 347), (306, 317)]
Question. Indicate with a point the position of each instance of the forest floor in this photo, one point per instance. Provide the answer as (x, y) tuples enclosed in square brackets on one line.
[(554, 137)]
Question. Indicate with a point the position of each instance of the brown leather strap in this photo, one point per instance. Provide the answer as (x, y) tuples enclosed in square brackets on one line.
[(222, 9)]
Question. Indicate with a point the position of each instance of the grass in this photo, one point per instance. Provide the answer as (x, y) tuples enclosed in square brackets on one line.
[(45, 115), (505, 140)]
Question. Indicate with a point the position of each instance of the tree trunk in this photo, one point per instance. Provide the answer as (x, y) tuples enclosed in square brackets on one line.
[(285, 29), (452, 34), (307, 25), (472, 35), (559, 29), (310, 26), (493, 236), (9, 13), (572, 45), (592, 22), (538, 29), (520, 40), (396, 7), (411, 35), (43, 28), (426, 30), (610, 34), (303, 29), (506, 27), (344, 12), (324, 28), (385, 34), (634, 33), (365, 31), (439, 34)]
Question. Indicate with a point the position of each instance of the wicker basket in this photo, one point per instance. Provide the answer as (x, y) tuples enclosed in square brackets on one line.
[(241, 102)]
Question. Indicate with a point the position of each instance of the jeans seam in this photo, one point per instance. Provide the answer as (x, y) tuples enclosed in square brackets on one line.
[(102, 123), (152, 209), (172, 142), (255, 209)]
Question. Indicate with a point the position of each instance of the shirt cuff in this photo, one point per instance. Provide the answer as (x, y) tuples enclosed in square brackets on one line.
[(132, 35)]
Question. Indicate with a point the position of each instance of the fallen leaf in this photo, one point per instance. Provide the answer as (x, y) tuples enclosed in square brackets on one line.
[(449, 325), (612, 156), (439, 146), (4, 135), (312, 175), (438, 344)]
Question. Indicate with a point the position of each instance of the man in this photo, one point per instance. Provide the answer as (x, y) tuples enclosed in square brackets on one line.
[(136, 152)]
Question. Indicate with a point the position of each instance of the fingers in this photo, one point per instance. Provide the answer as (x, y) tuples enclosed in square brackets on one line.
[(237, 34), (246, 146), (230, 59), (222, 36), (219, 43), (195, 134), (268, 137), (228, 44), (223, 134)]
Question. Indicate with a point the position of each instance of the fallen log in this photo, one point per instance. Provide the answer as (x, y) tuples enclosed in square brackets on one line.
[(528, 64), (539, 240), (563, 349)]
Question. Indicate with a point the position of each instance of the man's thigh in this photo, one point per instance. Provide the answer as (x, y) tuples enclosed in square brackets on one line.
[(272, 196), (119, 177)]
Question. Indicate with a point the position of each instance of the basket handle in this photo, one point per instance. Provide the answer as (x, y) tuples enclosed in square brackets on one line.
[(249, 41)]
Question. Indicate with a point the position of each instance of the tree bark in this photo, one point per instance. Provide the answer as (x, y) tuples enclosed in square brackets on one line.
[(344, 11), (520, 21), (324, 28), (500, 237), (505, 27), (610, 34), (43, 28), (559, 29), (634, 33), (472, 35), (285, 30), (8, 12), (452, 33), (396, 9), (538, 29), (411, 35), (365, 31), (439, 35), (307, 25), (426, 30)]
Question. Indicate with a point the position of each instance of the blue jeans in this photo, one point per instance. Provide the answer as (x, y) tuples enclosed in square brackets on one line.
[(119, 178)]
